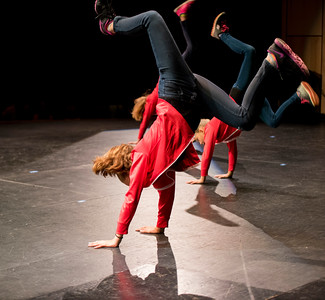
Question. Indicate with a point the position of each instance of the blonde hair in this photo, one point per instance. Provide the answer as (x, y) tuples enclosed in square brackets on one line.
[(202, 124), (116, 161), (139, 106)]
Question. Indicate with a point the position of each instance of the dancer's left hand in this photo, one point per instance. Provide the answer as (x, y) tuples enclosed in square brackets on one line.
[(197, 181), (105, 243), (150, 229), (134, 143), (224, 176)]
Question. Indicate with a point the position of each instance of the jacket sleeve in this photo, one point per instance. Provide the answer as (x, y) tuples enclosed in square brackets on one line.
[(232, 155), (149, 111), (138, 174), (210, 136)]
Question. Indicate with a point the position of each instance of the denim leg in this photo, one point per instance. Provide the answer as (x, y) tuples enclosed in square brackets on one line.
[(248, 52), (218, 103), (169, 61), (274, 119), (190, 45), (178, 82)]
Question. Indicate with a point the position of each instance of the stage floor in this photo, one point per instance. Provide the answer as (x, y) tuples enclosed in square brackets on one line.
[(260, 235)]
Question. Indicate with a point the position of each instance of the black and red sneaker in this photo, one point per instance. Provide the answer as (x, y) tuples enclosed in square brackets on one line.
[(105, 14), (183, 8), (286, 61), (219, 25), (103, 25)]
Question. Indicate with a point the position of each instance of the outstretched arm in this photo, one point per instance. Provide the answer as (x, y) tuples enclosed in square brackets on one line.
[(137, 176), (232, 159), (210, 136)]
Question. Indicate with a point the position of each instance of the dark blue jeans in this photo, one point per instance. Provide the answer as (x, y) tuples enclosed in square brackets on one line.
[(195, 95), (170, 63), (274, 119), (248, 53)]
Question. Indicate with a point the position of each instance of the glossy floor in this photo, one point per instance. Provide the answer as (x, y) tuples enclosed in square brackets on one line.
[(260, 235)]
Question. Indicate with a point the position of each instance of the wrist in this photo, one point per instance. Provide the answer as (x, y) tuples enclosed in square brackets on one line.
[(118, 239), (160, 230)]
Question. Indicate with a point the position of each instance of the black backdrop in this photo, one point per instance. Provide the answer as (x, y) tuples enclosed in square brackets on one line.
[(57, 64)]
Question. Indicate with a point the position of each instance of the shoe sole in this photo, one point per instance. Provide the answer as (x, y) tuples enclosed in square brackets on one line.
[(297, 60), (314, 99), (96, 7), (213, 31), (179, 6)]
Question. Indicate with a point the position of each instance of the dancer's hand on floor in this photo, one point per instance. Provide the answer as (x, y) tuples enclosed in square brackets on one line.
[(197, 181), (134, 143), (150, 229), (105, 243), (224, 176)]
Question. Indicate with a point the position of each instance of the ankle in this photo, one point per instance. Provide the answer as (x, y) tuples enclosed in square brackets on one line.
[(272, 59), (110, 28), (183, 17), (301, 99)]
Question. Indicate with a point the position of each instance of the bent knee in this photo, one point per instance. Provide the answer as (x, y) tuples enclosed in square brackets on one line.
[(153, 14), (247, 125), (250, 50)]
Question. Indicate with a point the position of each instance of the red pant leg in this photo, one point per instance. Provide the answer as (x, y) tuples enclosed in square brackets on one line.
[(166, 189)]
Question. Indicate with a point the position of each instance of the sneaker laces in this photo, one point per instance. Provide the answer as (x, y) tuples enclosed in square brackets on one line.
[(224, 27)]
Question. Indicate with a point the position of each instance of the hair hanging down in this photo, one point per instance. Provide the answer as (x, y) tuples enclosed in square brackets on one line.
[(202, 124), (116, 160), (139, 105)]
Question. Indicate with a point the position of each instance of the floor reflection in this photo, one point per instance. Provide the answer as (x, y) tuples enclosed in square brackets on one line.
[(162, 284), (205, 198)]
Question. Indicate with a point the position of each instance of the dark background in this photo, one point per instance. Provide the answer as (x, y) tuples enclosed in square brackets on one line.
[(57, 64)]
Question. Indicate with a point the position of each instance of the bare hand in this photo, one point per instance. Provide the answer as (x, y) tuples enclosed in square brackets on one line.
[(134, 143), (223, 176), (197, 181), (105, 243), (150, 229)]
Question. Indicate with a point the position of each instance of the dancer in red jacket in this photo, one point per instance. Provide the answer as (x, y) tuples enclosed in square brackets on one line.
[(215, 131), (182, 99), (167, 147)]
